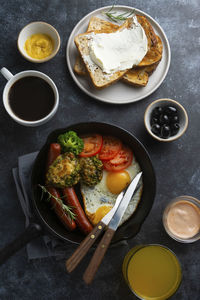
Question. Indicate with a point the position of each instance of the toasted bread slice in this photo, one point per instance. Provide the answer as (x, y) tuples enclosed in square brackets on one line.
[(150, 69), (138, 76), (98, 77), (153, 55), (150, 58), (150, 34), (95, 23), (79, 67), (154, 43), (159, 45)]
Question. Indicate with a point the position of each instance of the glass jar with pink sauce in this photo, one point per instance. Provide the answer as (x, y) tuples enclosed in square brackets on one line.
[(181, 219)]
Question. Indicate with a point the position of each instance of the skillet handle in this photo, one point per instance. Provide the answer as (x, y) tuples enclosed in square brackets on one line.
[(31, 232)]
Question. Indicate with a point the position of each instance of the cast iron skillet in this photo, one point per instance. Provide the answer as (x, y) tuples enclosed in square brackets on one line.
[(45, 220)]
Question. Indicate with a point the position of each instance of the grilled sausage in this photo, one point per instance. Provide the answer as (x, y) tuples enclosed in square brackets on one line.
[(72, 200), (64, 218), (54, 152)]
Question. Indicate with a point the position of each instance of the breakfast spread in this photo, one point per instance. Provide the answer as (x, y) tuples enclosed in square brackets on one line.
[(85, 174), (110, 52), (39, 46), (103, 166)]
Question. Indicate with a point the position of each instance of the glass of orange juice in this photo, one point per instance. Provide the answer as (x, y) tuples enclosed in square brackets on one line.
[(152, 272)]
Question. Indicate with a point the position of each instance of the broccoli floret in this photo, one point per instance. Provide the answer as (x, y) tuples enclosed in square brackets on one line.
[(70, 142)]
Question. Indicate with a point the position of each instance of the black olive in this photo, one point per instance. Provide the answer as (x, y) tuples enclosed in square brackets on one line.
[(157, 111), (154, 120), (165, 131), (171, 110), (174, 128), (164, 119), (174, 119), (155, 128)]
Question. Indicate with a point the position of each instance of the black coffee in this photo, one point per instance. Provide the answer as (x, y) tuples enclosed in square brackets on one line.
[(31, 98)]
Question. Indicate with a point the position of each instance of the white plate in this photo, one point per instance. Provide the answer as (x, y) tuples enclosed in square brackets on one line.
[(118, 93)]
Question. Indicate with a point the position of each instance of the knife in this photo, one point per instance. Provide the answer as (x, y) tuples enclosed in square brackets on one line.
[(85, 245), (112, 227)]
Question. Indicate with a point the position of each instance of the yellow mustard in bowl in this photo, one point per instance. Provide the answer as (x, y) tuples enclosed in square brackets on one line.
[(39, 46)]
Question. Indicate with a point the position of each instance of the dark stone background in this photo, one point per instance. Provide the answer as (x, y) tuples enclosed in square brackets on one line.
[(177, 164)]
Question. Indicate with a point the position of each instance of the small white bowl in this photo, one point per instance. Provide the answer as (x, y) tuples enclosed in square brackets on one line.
[(34, 28), (183, 118)]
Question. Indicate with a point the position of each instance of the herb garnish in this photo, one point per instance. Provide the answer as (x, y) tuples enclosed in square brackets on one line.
[(116, 18), (67, 209)]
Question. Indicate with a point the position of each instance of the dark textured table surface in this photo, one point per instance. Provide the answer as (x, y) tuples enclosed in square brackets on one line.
[(177, 164)]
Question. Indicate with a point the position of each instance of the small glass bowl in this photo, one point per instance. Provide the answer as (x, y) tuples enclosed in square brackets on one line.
[(189, 199)]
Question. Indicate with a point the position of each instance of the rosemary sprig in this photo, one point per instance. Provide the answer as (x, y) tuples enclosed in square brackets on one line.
[(67, 209), (116, 18)]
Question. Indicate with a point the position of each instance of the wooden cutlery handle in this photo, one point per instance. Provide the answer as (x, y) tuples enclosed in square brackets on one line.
[(85, 245), (98, 256)]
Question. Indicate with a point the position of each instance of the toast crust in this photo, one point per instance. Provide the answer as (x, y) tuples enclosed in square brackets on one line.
[(139, 76), (96, 23), (79, 67), (136, 77)]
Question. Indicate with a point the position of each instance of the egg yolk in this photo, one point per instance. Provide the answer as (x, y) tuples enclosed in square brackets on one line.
[(100, 213), (117, 181)]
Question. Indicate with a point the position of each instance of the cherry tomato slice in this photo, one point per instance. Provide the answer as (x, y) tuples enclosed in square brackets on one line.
[(111, 146), (92, 145), (121, 162), (122, 156)]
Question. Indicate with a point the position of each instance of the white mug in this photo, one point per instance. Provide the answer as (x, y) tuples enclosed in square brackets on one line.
[(12, 79)]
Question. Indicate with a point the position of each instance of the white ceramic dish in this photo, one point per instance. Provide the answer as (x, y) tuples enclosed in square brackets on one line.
[(38, 27), (119, 93), (183, 118)]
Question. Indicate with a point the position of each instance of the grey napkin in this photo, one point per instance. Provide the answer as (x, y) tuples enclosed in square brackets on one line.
[(43, 246)]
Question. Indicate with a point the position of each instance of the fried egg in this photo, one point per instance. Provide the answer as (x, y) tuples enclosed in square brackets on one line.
[(100, 199)]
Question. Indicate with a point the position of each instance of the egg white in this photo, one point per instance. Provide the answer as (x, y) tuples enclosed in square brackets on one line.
[(99, 195)]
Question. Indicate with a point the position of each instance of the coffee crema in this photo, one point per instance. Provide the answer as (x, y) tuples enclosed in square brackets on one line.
[(31, 98)]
